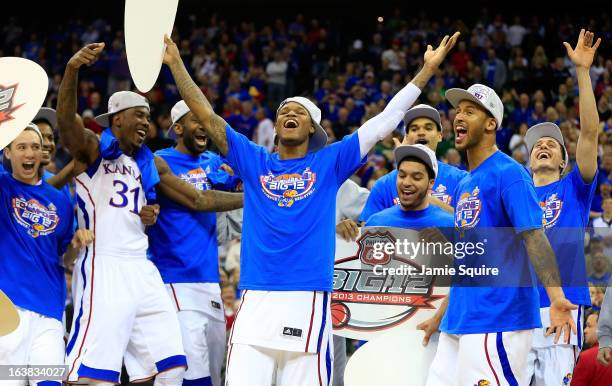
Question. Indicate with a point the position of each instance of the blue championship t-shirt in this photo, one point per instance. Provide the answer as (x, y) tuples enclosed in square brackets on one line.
[(384, 191), (288, 241), (36, 225), (497, 198), (183, 243), (566, 204), (394, 216)]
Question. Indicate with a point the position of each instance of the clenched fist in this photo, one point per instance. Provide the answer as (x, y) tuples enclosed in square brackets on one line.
[(148, 214)]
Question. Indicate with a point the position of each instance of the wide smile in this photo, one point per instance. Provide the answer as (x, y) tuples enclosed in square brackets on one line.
[(422, 141), (28, 166), (200, 139), (543, 155), (142, 134), (291, 123), (407, 193)]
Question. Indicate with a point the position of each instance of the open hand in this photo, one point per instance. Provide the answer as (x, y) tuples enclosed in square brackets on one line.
[(433, 58), (561, 320), (583, 54)]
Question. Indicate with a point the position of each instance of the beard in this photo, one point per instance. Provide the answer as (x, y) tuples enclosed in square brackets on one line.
[(190, 144), (418, 201)]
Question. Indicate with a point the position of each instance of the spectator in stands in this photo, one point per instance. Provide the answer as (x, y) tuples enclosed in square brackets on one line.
[(588, 371), (264, 133), (600, 266), (495, 70)]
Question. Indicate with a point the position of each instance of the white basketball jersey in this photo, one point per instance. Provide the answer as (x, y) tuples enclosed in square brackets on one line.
[(110, 196)]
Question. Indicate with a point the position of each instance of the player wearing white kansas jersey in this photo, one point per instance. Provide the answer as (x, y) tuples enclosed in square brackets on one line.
[(282, 329), (122, 311)]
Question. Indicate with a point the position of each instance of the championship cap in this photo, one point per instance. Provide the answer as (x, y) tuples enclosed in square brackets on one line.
[(119, 101), (481, 95)]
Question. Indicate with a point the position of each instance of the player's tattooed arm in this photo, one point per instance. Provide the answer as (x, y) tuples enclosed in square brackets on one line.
[(195, 98), (185, 194), (542, 257), (433, 59), (586, 150), (72, 131)]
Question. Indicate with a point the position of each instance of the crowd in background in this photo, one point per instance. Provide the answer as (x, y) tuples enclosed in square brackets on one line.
[(245, 69)]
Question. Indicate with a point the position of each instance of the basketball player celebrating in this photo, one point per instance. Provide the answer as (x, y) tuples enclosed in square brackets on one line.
[(124, 313), (566, 200), (183, 246), (486, 331), (287, 253), (36, 227), (423, 127), (417, 170)]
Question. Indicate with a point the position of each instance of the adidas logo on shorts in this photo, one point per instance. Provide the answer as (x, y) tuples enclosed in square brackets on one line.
[(289, 331)]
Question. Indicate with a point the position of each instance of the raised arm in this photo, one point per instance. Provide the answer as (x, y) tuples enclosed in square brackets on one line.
[(544, 261), (383, 124), (185, 194), (586, 150), (62, 178), (194, 97), (72, 132)]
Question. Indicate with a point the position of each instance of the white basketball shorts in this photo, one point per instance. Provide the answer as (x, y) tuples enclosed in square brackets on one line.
[(39, 340), (202, 319), (549, 363), (122, 314), (283, 336), (498, 358)]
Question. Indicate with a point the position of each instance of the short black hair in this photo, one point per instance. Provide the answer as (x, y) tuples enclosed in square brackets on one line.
[(430, 172)]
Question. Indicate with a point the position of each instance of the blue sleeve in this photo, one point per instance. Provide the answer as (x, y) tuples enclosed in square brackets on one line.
[(347, 156), (241, 152), (584, 191), (520, 202), (375, 202), (374, 221)]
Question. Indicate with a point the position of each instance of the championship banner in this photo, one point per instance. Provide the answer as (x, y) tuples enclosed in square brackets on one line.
[(23, 87), (376, 292)]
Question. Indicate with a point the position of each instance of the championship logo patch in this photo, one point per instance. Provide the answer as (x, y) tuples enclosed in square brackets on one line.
[(551, 209), (366, 301), (6, 103), (38, 219), (441, 194), (366, 248), (287, 189), (467, 212), (483, 382), (197, 178)]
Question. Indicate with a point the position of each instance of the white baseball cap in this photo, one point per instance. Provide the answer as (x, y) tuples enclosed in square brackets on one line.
[(419, 151), (420, 111), (179, 110), (46, 114), (545, 129), (319, 138), (481, 95), (119, 101)]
